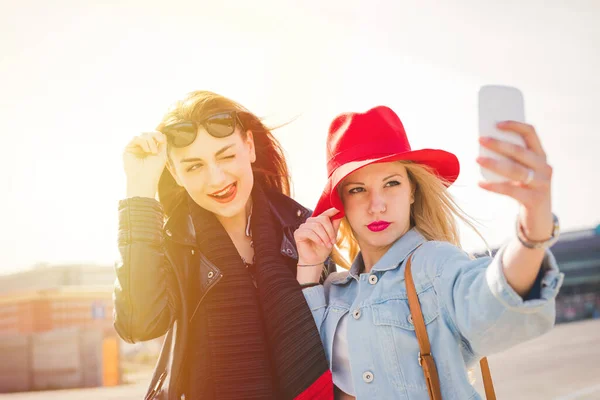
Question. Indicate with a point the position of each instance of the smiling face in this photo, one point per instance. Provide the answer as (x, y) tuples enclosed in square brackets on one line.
[(377, 201), (216, 172)]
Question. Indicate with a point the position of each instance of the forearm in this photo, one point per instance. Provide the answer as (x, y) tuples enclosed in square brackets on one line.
[(521, 266), (143, 309)]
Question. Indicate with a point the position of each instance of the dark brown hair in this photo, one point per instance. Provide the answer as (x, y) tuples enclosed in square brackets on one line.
[(270, 168)]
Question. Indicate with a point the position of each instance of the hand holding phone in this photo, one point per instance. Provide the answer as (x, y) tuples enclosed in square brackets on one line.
[(497, 104)]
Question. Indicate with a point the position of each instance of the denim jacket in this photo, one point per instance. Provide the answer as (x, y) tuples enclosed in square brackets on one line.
[(469, 309)]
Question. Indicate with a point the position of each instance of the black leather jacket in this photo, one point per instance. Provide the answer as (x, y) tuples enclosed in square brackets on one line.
[(150, 291)]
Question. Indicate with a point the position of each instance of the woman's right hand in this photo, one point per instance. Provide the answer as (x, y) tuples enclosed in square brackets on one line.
[(315, 240), (144, 160)]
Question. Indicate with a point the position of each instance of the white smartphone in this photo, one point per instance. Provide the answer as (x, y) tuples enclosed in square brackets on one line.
[(496, 104)]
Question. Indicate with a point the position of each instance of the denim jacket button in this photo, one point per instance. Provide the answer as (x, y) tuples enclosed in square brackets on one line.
[(356, 314), (410, 320), (368, 377), (373, 279)]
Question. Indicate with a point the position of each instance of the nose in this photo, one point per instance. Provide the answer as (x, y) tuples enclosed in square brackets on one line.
[(377, 203), (216, 178)]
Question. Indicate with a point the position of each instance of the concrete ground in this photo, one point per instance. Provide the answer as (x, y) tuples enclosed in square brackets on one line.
[(562, 365)]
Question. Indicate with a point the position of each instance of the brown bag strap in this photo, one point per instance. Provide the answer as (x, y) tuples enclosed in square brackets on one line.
[(426, 360), (488, 384)]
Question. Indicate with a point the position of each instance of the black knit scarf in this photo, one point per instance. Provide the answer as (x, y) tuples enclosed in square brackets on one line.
[(248, 342)]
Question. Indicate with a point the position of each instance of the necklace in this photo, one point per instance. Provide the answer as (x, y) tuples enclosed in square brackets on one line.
[(250, 265), (248, 233)]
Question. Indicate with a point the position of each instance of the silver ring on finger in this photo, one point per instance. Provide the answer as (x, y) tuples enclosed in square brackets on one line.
[(529, 178)]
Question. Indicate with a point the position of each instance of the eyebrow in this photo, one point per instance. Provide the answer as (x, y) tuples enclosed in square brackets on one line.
[(195, 159), (360, 183)]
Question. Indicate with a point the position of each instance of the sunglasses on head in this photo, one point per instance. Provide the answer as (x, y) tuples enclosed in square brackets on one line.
[(219, 125)]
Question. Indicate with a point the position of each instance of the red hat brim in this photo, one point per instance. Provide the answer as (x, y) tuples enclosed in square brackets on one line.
[(444, 164)]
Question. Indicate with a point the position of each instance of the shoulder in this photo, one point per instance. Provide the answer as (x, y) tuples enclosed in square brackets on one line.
[(433, 255), (333, 279), (286, 209)]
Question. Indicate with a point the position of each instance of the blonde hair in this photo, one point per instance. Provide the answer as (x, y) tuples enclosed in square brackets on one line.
[(434, 212)]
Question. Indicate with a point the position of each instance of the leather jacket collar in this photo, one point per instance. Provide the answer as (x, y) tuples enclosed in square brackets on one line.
[(290, 214)]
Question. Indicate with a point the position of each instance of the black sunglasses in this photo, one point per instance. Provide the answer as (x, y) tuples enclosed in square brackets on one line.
[(219, 125)]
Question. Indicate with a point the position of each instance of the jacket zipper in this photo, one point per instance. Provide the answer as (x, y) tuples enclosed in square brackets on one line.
[(218, 278)]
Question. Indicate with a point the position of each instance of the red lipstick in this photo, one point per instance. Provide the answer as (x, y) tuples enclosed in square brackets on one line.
[(378, 226), (225, 195)]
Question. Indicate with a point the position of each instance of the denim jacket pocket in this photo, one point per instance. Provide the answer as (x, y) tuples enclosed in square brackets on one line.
[(395, 311)]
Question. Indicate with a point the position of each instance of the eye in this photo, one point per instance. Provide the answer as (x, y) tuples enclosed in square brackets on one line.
[(392, 183), (356, 190), (230, 157), (194, 167)]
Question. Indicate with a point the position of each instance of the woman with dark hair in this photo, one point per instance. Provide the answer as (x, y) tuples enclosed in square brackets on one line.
[(219, 276)]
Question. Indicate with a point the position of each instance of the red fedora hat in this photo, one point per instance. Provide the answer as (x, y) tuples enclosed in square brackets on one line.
[(356, 140)]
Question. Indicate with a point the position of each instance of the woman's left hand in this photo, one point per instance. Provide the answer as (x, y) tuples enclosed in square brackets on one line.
[(529, 178)]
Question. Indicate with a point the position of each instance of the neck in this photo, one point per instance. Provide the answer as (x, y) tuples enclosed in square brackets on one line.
[(372, 254), (236, 224)]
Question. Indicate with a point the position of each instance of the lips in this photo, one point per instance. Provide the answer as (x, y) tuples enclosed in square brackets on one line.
[(226, 194), (378, 226)]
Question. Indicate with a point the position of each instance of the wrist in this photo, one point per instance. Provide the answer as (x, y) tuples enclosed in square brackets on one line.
[(535, 243), (309, 285), (537, 225), (306, 275), (138, 191)]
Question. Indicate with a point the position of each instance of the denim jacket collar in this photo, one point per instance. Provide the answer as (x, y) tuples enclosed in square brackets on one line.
[(392, 259)]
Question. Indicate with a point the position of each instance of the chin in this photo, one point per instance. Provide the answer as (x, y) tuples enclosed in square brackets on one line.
[(229, 210), (232, 209), (222, 210), (381, 239)]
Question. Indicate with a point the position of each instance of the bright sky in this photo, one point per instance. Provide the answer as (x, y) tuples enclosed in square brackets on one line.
[(78, 80)]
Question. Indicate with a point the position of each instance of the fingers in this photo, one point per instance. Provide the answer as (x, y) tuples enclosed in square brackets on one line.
[(506, 168), (153, 146), (306, 233), (330, 213), (519, 160), (527, 132), (147, 143), (160, 137), (518, 192), (514, 152), (325, 221), (321, 231), (336, 225)]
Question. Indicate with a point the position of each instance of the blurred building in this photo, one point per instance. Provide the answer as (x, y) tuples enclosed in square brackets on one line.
[(50, 297), (56, 329), (578, 257)]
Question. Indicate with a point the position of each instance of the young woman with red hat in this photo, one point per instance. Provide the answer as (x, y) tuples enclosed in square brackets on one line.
[(219, 277), (392, 208)]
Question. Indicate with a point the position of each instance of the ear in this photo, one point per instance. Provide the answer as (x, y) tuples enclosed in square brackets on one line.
[(250, 143), (173, 172)]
